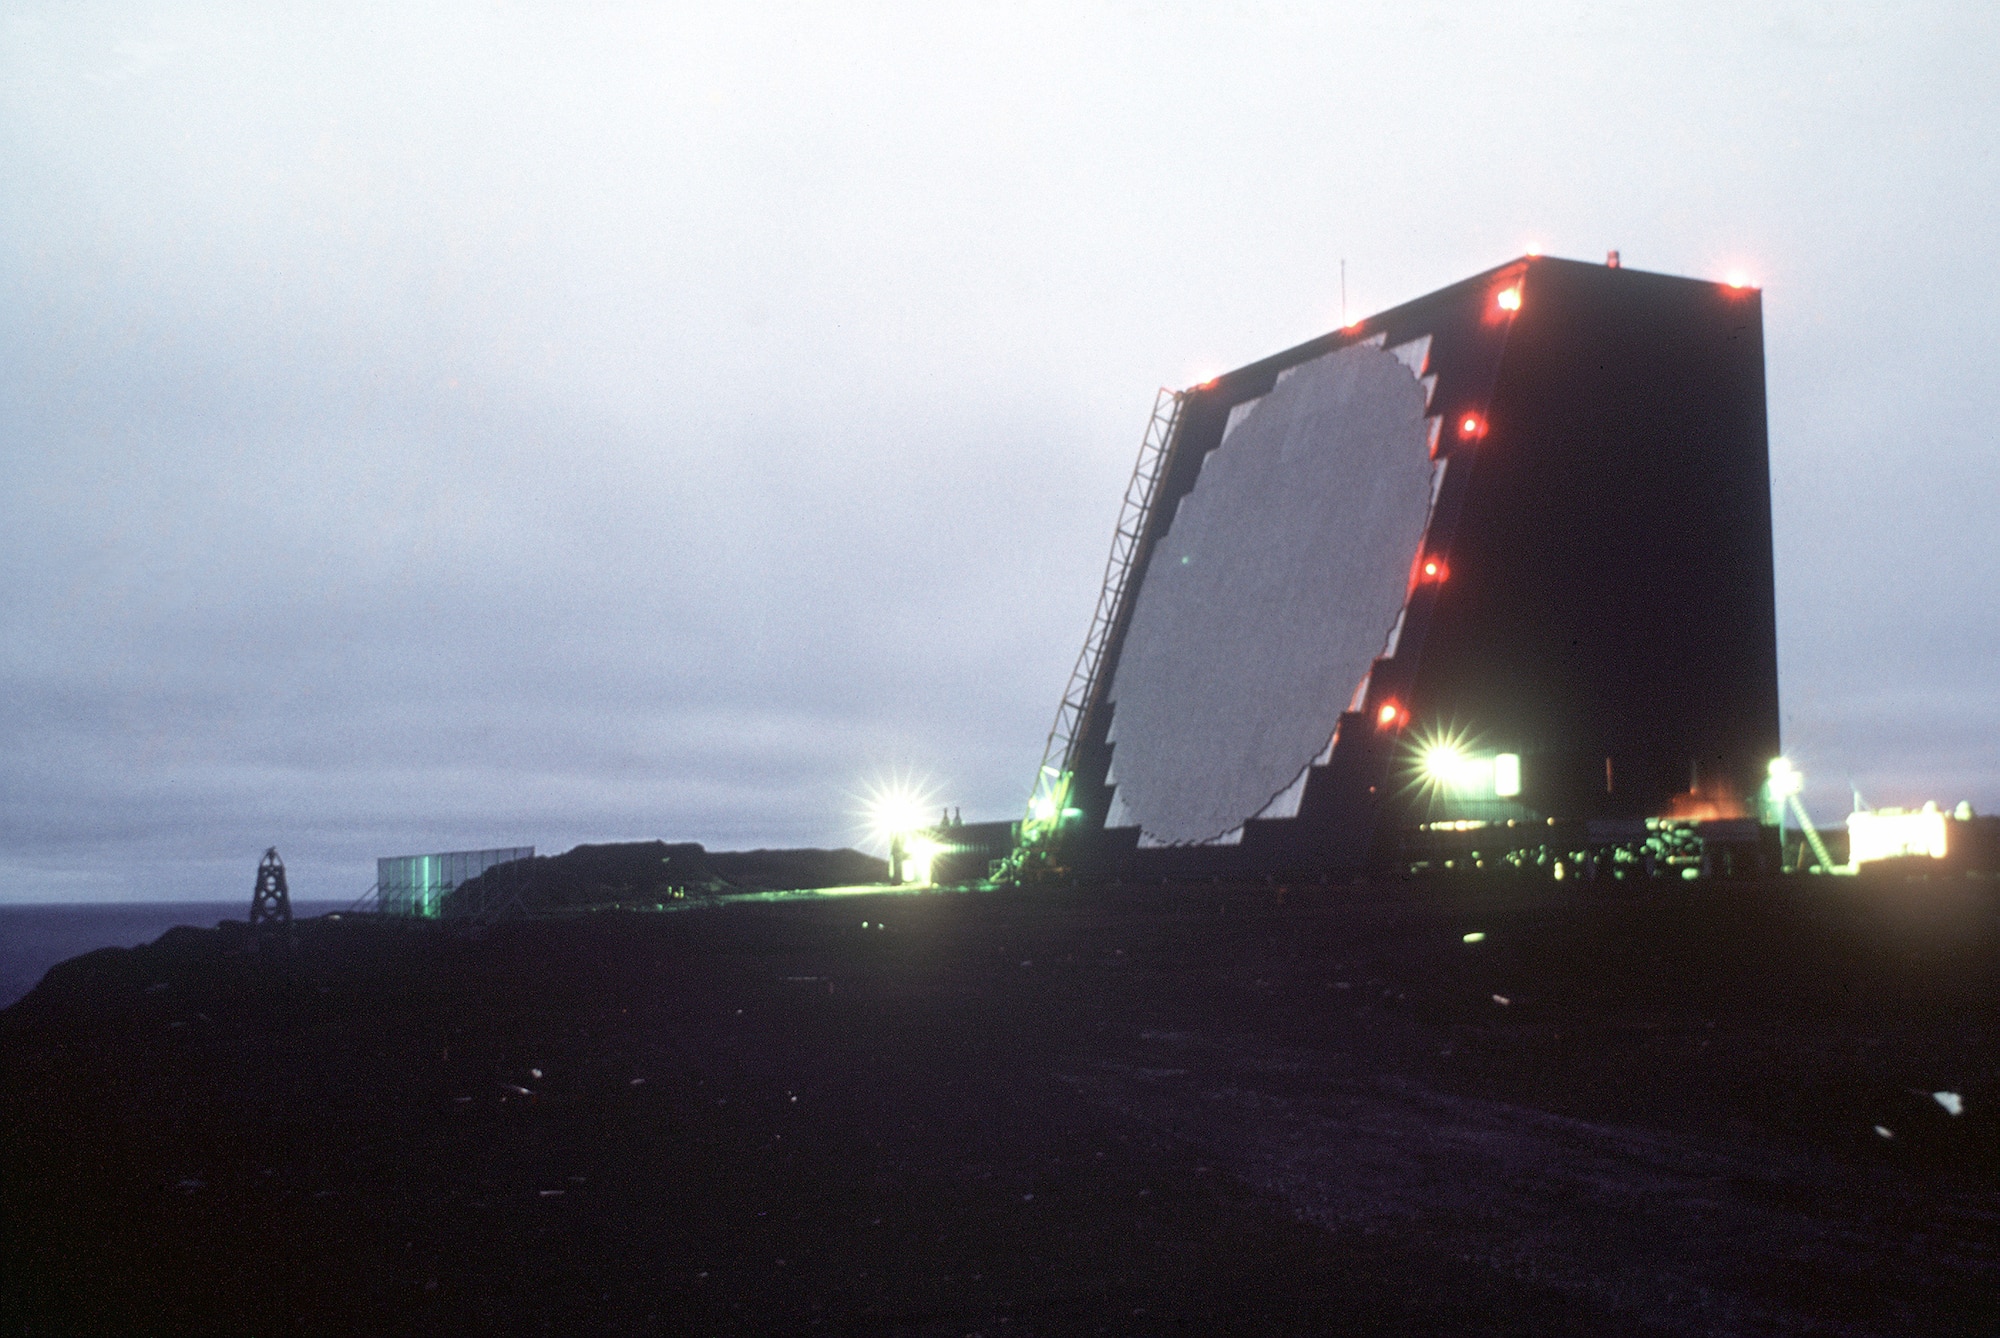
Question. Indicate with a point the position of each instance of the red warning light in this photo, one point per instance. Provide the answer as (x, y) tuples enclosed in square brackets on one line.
[(1506, 295), (1432, 569), (1388, 715), (1472, 427)]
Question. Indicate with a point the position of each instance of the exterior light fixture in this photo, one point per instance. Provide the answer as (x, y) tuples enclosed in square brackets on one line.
[(1447, 766), (1509, 299), (1785, 778), (1450, 769)]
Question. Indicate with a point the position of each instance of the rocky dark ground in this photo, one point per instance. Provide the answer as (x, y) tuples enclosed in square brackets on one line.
[(1186, 1109)]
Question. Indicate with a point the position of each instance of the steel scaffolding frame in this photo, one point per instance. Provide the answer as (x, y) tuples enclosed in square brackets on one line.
[(1058, 753)]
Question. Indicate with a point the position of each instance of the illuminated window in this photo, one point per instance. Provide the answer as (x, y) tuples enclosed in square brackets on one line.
[(1507, 775)]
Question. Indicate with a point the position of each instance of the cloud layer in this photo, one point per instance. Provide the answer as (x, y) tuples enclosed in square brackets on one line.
[(463, 428)]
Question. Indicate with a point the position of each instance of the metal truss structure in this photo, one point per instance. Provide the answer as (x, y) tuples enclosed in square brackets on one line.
[(271, 901), (1051, 782)]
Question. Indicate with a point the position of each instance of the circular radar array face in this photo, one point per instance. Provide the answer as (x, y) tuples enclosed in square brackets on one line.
[(1275, 588)]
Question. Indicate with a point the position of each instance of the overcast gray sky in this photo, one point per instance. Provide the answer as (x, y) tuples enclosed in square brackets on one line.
[(429, 427)]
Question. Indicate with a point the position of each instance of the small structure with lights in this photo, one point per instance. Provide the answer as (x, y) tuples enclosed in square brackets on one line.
[(1893, 833), (1930, 839), (1493, 560), (945, 850)]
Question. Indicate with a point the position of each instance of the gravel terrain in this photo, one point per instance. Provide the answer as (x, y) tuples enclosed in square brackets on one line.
[(1688, 1109)]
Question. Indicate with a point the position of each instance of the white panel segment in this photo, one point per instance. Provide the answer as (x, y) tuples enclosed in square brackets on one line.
[(1232, 837), (1237, 413), (1286, 805), (1395, 635), (1415, 355)]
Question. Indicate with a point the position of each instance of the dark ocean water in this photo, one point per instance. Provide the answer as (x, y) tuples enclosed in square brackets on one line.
[(35, 938)]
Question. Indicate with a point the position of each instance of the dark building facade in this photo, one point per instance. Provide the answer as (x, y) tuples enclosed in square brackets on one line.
[(1500, 553)]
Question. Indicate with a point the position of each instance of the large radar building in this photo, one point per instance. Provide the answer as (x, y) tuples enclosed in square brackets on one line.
[(1498, 556)]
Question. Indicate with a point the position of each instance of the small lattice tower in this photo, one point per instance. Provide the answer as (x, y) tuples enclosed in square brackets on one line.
[(271, 903)]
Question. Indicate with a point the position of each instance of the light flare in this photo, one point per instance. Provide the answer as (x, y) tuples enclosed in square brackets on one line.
[(898, 806), (1785, 778), (1447, 763)]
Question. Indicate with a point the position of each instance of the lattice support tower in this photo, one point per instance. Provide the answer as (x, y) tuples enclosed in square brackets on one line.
[(271, 902), (1051, 783)]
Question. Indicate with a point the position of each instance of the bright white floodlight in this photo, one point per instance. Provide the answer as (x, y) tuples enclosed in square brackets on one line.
[(1785, 779)]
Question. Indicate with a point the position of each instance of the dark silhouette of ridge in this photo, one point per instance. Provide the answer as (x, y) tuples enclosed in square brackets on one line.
[(654, 872)]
